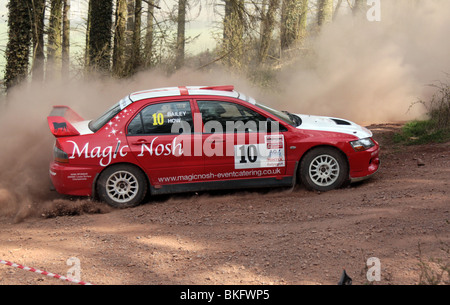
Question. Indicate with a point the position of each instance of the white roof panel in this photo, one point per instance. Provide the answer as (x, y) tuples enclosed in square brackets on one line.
[(179, 91), (152, 93)]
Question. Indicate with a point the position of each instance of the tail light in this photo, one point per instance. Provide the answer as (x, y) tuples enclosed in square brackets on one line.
[(59, 155)]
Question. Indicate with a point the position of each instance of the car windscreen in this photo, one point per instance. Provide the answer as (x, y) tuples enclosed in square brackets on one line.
[(285, 116)]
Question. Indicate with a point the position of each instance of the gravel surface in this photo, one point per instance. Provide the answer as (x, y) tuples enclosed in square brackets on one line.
[(273, 237)]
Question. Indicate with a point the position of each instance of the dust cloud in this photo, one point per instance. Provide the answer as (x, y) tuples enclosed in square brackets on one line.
[(27, 143), (368, 72), (372, 72)]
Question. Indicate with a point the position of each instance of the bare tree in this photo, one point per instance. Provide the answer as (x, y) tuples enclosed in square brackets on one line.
[(149, 35), (88, 29), (181, 34), (132, 38), (358, 6), (136, 43), (359, 9), (66, 39), (293, 22), (118, 61), (233, 33), (99, 39), (38, 14), (54, 44), (268, 24), (325, 12)]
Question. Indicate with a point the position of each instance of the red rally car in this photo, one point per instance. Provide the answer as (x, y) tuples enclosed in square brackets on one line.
[(180, 139)]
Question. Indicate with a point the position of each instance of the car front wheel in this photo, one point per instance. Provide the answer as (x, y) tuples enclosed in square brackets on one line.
[(323, 169), (122, 186)]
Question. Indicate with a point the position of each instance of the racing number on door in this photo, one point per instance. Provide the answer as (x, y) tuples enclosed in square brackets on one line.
[(268, 154), (251, 155), (158, 119)]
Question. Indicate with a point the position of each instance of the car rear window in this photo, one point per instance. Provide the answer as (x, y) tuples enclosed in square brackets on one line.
[(98, 123)]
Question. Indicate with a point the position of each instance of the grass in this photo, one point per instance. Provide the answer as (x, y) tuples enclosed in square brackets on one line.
[(436, 129), (435, 271), (422, 132)]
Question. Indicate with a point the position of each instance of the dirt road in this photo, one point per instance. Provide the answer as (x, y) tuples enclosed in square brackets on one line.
[(401, 216)]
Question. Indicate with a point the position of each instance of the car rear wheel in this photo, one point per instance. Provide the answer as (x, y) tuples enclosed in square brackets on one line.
[(323, 169), (122, 186)]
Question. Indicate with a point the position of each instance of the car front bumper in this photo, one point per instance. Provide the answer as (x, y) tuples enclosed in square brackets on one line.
[(365, 164)]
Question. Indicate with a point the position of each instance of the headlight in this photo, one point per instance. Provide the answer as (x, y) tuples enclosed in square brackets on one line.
[(363, 144)]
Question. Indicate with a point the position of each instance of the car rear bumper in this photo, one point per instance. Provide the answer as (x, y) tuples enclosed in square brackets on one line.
[(69, 180)]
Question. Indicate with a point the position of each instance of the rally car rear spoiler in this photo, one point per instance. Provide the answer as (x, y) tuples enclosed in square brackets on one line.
[(60, 121)]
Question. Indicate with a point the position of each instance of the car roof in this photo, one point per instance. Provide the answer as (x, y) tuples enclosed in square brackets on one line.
[(226, 91)]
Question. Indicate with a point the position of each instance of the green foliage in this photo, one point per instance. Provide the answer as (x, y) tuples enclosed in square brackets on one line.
[(434, 130), (422, 132)]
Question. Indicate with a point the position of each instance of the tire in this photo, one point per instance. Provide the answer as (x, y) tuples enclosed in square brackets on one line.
[(122, 186), (323, 169)]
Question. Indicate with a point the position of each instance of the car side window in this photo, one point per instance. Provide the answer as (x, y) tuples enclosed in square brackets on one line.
[(160, 119), (239, 118)]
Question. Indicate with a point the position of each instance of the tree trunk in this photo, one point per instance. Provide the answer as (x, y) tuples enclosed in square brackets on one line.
[(358, 5), (66, 40), (129, 33), (233, 33), (118, 64), (336, 9), (148, 54), (88, 29), (181, 39), (100, 20), (268, 27), (359, 8), (54, 46), (293, 22), (19, 41), (38, 14), (325, 13), (262, 15), (136, 47)]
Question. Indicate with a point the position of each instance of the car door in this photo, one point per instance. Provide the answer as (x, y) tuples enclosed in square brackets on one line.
[(237, 143), (161, 146)]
